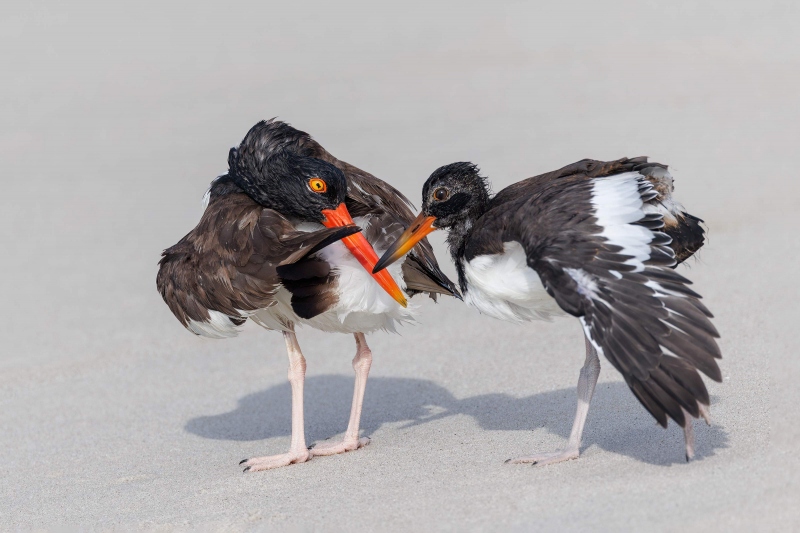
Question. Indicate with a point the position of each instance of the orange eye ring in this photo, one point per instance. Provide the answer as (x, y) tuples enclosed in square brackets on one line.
[(317, 185)]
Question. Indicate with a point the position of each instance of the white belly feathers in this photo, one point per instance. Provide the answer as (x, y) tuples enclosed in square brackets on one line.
[(363, 306), (504, 286)]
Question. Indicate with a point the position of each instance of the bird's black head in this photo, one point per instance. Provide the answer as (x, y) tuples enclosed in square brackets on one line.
[(277, 177), (276, 166), (453, 198), (455, 194)]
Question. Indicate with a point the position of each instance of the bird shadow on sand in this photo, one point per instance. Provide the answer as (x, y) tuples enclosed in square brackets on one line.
[(616, 423)]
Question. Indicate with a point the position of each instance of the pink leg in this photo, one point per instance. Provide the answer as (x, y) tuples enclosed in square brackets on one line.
[(298, 453), (586, 383), (351, 441)]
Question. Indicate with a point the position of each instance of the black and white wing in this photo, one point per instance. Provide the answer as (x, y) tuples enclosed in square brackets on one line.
[(685, 230), (602, 255)]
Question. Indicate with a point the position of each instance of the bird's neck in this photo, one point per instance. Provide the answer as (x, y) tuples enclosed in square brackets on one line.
[(457, 242), (457, 237), (460, 231)]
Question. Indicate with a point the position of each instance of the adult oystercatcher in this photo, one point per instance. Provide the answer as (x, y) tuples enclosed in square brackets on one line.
[(596, 240), (277, 244)]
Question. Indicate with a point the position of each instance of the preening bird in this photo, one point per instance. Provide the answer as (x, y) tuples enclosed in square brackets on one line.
[(595, 240), (288, 238)]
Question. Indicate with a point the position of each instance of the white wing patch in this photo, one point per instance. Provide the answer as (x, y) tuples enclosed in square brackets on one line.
[(587, 286), (218, 326), (617, 205), (504, 286)]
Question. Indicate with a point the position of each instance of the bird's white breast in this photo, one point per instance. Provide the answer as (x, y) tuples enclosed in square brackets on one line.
[(504, 286), (362, 306)]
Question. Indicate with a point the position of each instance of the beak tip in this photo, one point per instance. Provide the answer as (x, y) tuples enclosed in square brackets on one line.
[(383, 262)]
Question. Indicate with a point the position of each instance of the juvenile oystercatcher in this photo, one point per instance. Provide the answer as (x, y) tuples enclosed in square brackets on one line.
[(596, 240), (277, 244)]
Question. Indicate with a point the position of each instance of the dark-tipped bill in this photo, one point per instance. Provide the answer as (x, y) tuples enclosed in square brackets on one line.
[(363, 251), (417, 231)]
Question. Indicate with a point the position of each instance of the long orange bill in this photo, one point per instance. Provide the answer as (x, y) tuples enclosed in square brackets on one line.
[(362, 250), (421, 226)]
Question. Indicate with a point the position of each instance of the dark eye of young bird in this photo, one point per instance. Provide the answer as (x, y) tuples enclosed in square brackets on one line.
[(440, 194)]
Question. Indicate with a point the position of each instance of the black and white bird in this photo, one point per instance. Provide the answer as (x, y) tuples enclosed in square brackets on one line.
[(595, 240), (277, 245)]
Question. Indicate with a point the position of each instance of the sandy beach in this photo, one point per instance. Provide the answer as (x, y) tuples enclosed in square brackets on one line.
[(115, 120)]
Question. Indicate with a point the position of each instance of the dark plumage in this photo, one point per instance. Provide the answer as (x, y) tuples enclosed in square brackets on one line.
[(602, 238), (229, 262), (260, 251)]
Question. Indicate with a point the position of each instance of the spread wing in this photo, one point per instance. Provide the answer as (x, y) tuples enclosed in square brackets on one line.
[(685, 230), (604, 258), (227, 267)]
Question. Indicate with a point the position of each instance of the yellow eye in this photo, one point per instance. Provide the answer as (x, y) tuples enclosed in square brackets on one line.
[(317, 185)]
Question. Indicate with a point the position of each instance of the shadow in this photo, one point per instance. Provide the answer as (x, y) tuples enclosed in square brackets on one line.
[(616, 423)]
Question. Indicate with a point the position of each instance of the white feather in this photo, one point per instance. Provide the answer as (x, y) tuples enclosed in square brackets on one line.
[(363, 306), (218, 326), (662, 292), (504, 286), (589, 336), (617, 204), (587, 286)]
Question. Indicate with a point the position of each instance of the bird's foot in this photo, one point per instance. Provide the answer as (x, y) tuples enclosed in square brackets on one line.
[(542, 459), (274, 461), (332, 448)]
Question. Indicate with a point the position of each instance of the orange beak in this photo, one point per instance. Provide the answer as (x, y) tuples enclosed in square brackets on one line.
[(419, 228), (362, 250)]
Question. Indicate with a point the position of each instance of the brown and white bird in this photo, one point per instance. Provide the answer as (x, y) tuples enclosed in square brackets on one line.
[(277, 245), (595, 240)]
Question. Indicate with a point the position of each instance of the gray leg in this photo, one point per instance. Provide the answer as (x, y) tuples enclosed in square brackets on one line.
[(688, 429), (298, 453), (688, 435), (351, 441), (586, 384)]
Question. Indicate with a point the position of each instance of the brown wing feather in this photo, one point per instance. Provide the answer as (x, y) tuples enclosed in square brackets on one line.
[(367, 196), (229, 262)]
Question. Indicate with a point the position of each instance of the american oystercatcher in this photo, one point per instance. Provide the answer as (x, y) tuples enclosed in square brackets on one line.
[(595, 240), (277, 244)]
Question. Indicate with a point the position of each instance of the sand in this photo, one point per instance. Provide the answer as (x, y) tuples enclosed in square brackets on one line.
[(114, 121)]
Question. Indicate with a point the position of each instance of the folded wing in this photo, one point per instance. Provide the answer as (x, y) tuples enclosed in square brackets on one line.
[(227, 267)]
